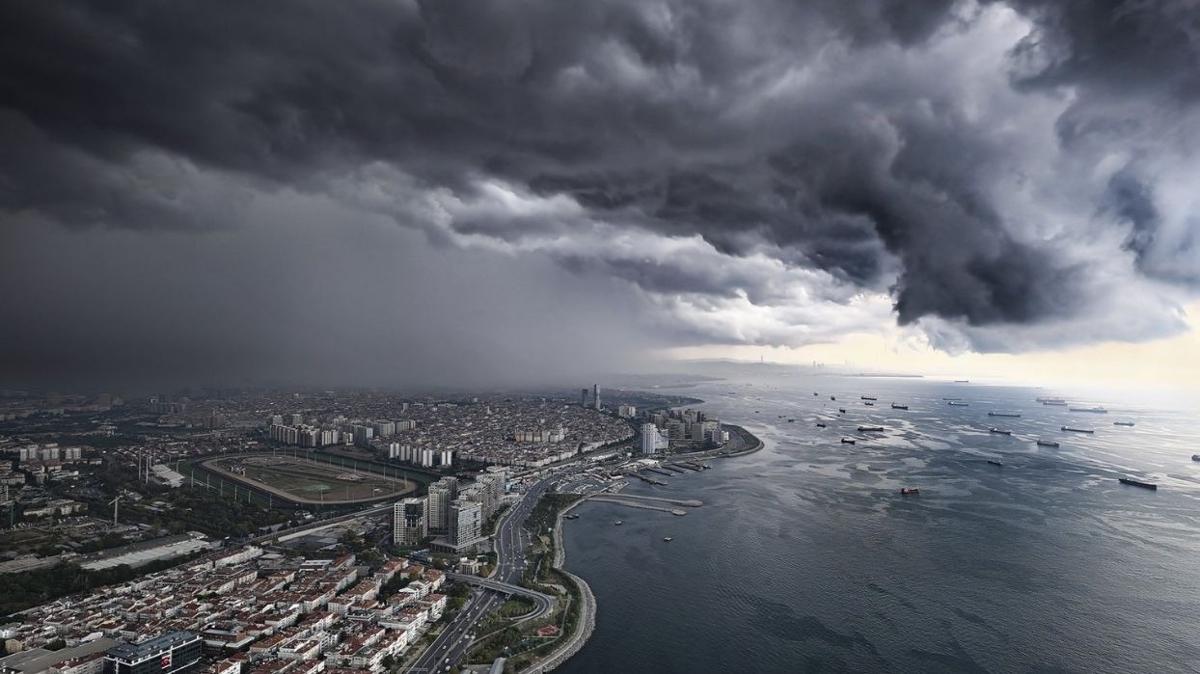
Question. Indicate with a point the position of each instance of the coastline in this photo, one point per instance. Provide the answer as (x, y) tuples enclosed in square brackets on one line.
[(584, 628)]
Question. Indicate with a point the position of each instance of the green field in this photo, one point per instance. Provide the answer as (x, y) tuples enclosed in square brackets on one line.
[(302, 480)]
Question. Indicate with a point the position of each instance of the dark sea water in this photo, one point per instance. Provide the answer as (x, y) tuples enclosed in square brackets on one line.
[(805, 557)]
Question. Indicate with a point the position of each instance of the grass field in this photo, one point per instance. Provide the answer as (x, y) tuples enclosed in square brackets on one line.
[(302, 480)]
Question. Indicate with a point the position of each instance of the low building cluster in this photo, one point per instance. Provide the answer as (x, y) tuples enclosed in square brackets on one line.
[(514, 432), (249, 612)]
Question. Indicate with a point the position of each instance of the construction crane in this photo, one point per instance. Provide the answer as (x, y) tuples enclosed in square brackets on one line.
[(115, 503)]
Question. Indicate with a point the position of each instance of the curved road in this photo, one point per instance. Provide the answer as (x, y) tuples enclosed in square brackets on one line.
[(511, 541)]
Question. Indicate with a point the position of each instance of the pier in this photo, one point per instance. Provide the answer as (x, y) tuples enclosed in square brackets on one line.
[(648, 480), (650, 503)]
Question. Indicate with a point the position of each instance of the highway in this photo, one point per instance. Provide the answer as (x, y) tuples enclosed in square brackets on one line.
[(511, 541)]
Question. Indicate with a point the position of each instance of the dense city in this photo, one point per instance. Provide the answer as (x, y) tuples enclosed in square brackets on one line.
[(240, 532)]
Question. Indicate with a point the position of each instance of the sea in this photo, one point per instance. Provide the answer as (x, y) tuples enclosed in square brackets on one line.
[(805, 557)]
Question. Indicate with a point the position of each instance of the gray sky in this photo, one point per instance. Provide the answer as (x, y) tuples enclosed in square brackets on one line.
[(475, 191)]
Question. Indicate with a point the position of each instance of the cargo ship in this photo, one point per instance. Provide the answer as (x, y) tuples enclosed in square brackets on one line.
[(847, 441), (999, 431), (870, 429), (951, 398), (1047, 443), (1093, 410), (1012, 415), (962, 381), (1122, 423), (1138, 483), (1050, 400), (956, 403), (1056, 403), (868, 398), (899, 407), (1077, 430)]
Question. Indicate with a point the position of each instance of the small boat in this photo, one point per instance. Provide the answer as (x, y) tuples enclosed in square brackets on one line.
[(909, 491), (869, 404), (618, 523), (815, 393), (995, 462), (1138, 483), (820, 425), (1093, 410), (870, 429), (571, 516), (791, 421), (956, 403), (1123, 423), (999, 431), (842, 410), (868, 398), (1047, 443), (667, 539), (833, 397), (1077, 430), (899, 407), (1012, 415), (847, 441), (1196, 457)]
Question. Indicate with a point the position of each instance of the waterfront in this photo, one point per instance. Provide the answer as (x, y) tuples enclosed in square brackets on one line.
[(805, 557)]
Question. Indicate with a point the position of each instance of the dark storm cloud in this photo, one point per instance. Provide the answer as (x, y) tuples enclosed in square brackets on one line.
[(798, 131)]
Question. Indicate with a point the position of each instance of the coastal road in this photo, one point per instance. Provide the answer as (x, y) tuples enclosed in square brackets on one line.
[(511, 541)]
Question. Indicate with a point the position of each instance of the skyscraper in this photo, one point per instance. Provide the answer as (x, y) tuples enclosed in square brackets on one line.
[(441, 494), (408, 521), (596, 395), (583, 397), (466, 523)]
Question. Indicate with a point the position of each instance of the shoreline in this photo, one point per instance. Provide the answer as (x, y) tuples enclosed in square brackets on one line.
[(584, 628)]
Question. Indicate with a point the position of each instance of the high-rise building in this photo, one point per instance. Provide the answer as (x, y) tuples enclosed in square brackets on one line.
[(441, 494), (583, 397), (408, 521), (466, 523), (626, 411), (491, 490), (653, 440), (596, 395)]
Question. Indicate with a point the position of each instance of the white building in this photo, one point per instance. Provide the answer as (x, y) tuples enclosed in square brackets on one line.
[(653, 440)]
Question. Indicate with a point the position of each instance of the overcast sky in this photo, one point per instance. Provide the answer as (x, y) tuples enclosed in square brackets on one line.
[(512, 191)]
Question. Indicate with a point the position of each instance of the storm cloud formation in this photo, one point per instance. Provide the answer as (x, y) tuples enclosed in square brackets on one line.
[(999, 176)]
